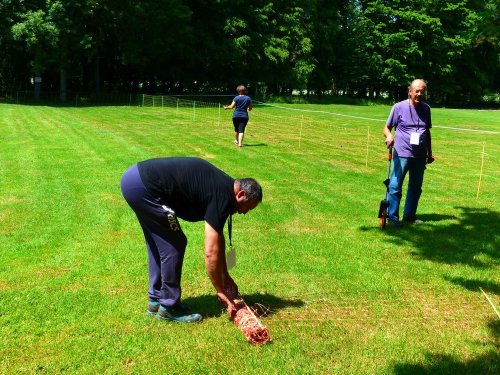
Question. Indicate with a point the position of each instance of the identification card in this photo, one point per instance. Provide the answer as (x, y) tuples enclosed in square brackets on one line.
[(231, 258), (414, 138)]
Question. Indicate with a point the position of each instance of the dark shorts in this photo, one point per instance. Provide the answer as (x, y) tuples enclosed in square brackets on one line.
[(240, 124)]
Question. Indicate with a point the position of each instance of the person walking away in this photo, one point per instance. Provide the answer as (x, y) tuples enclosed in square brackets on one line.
[(412, 144), (242, 104)]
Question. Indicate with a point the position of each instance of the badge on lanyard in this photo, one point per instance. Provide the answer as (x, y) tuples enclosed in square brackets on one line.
[(414, 138), (231, 258)]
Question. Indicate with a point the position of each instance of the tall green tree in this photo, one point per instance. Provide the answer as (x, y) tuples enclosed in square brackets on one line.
[(39, 34), (394, 41), (53, 32), (482, 62), (12, 63), (350, 47), (65, 17), (325, 20), (155, 39), (97, 46), (272, 42), (448, 45)]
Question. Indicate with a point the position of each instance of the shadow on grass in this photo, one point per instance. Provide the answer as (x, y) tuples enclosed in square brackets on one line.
[(435, 217), (474, 285), (254, 145), (443, 364), (471, 239), (209, 306), (487, 363)]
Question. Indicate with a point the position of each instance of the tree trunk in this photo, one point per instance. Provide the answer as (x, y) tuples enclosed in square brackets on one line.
[(38, 86), (97, 75), (63, 95)]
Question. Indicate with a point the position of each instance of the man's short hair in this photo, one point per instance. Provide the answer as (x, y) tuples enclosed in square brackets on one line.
[(252, 188), (412, 84)]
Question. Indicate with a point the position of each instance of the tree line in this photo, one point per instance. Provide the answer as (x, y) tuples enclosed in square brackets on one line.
[(317, 47)]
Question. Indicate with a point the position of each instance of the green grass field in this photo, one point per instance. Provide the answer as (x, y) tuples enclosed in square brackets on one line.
[(343, 296)]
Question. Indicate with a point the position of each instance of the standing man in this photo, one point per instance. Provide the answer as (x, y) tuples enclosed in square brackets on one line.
[(162, 190), (243, 104), (411, 120)]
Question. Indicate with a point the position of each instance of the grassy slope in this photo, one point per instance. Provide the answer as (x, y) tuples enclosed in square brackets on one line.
[(344, 296)]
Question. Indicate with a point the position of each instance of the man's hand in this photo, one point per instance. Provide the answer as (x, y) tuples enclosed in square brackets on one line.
[(229, 295), (227, 302), (430, 159), (389, 140)]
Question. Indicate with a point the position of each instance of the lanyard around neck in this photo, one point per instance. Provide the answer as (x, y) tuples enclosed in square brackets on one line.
[(230, 230), (411, 115)]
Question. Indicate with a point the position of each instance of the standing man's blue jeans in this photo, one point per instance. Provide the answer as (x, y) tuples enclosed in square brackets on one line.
[(400, 166)]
